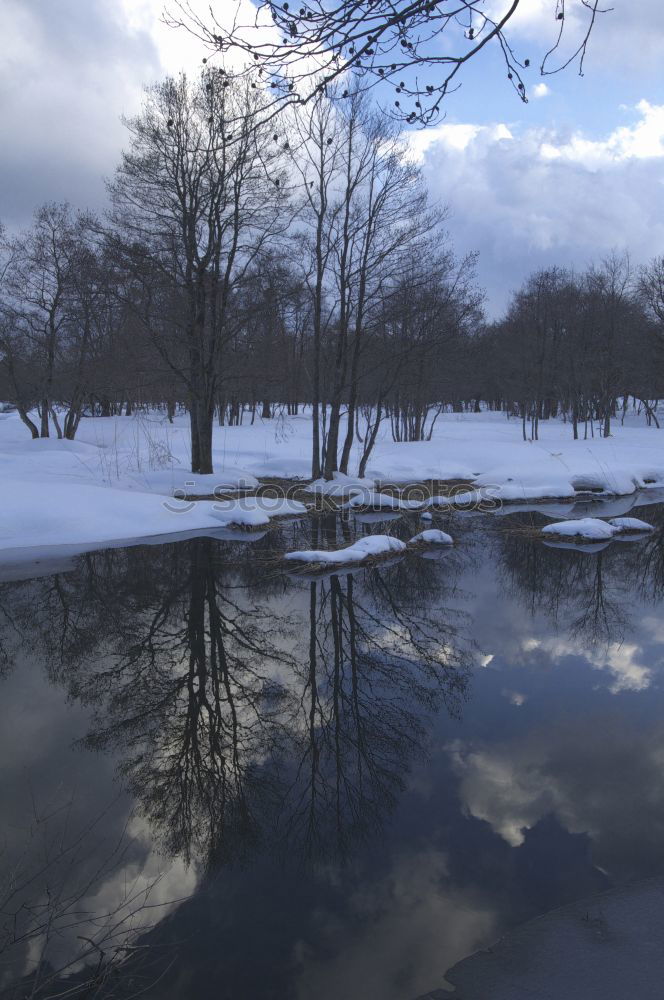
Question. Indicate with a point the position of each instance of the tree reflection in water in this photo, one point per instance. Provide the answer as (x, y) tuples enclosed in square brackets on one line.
[(241, 721), (250, 713), (586, 594), (254, 714)]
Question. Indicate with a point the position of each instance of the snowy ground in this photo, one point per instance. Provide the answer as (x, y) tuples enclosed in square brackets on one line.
[(122, 477)]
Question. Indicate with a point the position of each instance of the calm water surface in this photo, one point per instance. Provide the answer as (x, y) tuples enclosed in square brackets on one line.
[(222, 781)]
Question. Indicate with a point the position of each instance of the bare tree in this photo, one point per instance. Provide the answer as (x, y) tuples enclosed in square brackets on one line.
[(610, 286), (196, 201), (317, 163), (651, 288), (365, 217), (39, 273), (414, 50)]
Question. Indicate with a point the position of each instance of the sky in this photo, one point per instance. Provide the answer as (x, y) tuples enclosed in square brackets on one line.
[(576, 172)]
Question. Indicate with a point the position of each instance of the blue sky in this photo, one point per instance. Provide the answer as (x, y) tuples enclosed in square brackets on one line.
[(562, 179)]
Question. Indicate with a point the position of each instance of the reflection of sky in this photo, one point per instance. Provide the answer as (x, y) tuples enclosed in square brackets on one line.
[(548, 789), (55, 795)]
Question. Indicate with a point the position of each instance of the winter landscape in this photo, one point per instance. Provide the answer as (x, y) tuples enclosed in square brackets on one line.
[(126, 479), (331, 500)]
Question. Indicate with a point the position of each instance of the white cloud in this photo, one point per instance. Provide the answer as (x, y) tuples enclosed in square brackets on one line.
[(523, 197), (454, 136), (620, 660), (392, 943), (641, 141), (515, 698), (588, 771), (178, 48), (498, 789), (531, 197), (67, 73), (540, 90), (630, 35)]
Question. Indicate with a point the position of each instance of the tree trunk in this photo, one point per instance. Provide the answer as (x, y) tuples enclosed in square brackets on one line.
[(332, 444), (56, 422), (370, 439), (43, 413), (32, 427), (606, 430), (350, 430), (202, 418)]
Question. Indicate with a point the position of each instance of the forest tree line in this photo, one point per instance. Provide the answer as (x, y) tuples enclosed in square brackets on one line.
[(250, 266)]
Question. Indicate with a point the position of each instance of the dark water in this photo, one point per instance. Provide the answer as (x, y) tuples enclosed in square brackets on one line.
[(220, 781)]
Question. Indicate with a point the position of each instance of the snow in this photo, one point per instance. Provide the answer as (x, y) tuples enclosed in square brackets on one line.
[(432, 536), (257, 509), (630, 524), (66, 513), (112, 481), (594, 529), (340, 486), (377, 516), (604, 947), (493, 493), (180, 482), (466, 498), (371, 546), (585, 527), (365, 548)]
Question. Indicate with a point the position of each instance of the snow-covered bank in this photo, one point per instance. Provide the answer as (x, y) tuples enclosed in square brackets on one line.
[(65, 513), (114, 482)]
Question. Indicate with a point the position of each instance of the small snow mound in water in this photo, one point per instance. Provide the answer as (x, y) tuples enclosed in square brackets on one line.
[(372, 545), (593, 528), (426, 516), (584, 527), (630, 524), (432, 536)]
